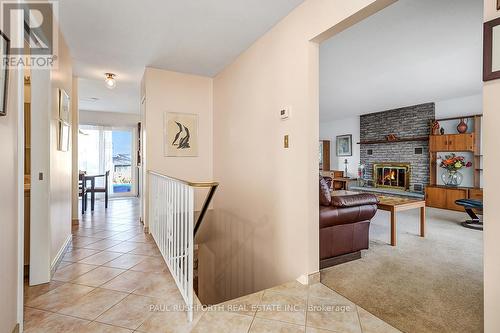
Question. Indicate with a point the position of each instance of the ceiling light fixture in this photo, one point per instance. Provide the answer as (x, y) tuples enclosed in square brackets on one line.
[(110, 80)]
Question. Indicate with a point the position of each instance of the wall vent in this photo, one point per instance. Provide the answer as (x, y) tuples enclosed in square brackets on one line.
[(419, 151), (369, 152), (418, 187)]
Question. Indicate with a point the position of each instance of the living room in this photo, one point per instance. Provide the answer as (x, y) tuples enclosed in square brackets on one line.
[(402, 125)]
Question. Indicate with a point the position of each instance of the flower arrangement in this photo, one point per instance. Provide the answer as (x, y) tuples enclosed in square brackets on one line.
[(453, 162)]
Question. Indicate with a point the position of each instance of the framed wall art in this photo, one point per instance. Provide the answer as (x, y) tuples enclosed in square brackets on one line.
[(64, 134), (491, 55), (63, 106), (344, 145), (181, 134), (4, 73)]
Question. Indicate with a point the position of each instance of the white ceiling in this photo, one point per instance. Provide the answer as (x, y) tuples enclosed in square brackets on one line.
[(414, 51), (190, 36), (94, 96)]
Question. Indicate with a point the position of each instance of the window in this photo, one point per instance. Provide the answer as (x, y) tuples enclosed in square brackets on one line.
[(102, 149)]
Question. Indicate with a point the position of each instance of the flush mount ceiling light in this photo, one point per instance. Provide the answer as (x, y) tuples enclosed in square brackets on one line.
[(110, 80)]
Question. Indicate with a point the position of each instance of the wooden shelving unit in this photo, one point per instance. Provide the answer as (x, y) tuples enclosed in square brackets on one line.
[(441, 196)]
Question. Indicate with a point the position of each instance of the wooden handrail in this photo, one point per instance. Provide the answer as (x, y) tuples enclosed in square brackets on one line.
[(212, 185), (192, 184)]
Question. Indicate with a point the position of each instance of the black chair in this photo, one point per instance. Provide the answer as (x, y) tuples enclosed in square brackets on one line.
[(102, 189), (83, 191), (469, 206)]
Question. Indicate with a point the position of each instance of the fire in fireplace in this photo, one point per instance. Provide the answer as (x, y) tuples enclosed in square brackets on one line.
[(392, 175)]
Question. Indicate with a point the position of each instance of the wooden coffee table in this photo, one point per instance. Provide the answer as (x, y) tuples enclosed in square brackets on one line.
[(396, 204)]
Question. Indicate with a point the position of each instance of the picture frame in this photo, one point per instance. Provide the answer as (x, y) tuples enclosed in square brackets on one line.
[(64, 135), (491, 50), (180, 134), (63, 106), (344, 145), (498, 4), (4, 73)]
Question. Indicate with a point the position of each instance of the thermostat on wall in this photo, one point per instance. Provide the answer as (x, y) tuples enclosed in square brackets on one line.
[(285, 113)]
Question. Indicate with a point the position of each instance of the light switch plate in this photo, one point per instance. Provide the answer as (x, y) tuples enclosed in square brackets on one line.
[(285, 113)]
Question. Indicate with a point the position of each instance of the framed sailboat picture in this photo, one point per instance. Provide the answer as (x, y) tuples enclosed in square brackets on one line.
[(181, 134)]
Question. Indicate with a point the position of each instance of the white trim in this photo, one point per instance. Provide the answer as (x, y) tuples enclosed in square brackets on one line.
[(303, 279), (307, 279), (18, 78), (40, 237), (60, 255)]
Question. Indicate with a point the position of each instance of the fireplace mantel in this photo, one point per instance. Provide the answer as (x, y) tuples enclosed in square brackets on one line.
[(419, 138)]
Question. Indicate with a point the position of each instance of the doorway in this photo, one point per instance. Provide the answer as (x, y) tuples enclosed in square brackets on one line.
[(385, 126), (103, 149)]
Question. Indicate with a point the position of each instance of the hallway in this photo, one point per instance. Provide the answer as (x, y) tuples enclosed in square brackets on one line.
[(108, 279), (111, 277)]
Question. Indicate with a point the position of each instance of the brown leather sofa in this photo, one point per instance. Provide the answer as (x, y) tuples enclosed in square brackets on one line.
[(344, 225)]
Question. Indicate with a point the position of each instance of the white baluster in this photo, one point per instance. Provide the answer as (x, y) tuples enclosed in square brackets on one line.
[(171, 223)]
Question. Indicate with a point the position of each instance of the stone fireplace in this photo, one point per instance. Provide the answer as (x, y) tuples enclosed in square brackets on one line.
[(392, 175), (401, 164)]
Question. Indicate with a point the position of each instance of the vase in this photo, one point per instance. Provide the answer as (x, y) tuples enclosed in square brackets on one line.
[(452, 178), (462, 126)]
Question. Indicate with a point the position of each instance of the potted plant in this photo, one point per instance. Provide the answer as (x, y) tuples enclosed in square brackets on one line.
[(452, 164)]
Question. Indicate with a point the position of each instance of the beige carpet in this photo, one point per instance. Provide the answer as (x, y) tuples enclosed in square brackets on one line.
[(432, 284)]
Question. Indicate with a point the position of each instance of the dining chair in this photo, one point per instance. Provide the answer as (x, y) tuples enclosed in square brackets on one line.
[(83, 190), (103, 189)]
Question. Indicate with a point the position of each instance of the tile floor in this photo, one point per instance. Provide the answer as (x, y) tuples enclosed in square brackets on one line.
[(113, 279)]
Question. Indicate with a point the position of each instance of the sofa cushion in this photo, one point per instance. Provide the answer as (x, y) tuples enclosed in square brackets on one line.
[(325, 197), (354, 200), (332, 216)]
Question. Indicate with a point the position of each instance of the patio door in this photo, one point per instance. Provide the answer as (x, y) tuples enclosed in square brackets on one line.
[(110, 149), (123, 172)]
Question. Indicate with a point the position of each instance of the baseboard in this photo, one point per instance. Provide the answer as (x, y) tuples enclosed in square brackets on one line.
[(314, 278), (146, 229), (325, 263), (59, 256), (308, 279), (302, 279)]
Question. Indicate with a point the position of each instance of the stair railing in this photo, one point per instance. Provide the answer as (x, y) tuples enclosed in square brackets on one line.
[(171, 223)]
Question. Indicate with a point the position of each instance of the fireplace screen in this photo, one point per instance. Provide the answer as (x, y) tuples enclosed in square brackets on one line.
[(392, 175)]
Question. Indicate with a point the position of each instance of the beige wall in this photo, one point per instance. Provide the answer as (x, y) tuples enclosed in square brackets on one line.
[(60, 162), (175, 92), (491, 113), (102, 118), (268, 192), (9, 207)]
